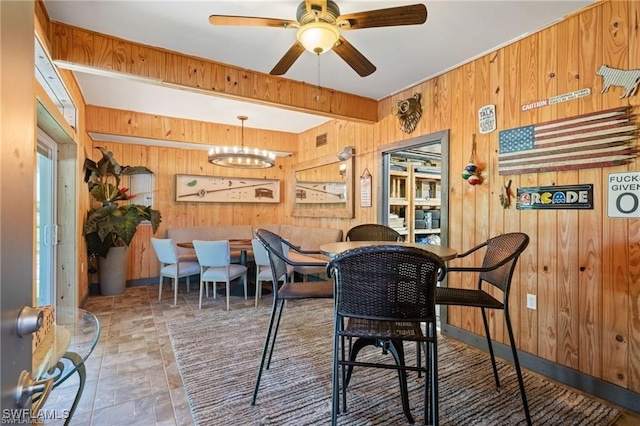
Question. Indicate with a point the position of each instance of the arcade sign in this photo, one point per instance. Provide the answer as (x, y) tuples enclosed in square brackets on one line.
[(568, 197)]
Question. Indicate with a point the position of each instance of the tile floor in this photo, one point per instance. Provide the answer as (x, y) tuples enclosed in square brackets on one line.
[(132, 377)]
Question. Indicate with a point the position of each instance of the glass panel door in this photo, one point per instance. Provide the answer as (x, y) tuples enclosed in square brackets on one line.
[(46, 228)]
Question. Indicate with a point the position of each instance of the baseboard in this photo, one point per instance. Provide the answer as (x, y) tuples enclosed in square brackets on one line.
[(591, 385)]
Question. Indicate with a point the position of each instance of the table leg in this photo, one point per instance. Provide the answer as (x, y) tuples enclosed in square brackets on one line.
[(76, 360)]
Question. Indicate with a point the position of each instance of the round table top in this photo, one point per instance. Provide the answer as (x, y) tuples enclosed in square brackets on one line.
[(331, 249), (76, 331)]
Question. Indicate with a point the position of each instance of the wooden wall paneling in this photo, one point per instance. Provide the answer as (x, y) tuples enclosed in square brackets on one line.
[(61, 42), (42, 21), (194, 159), (103, 51), (567, 277), (82, 46), (511, 118), (529, 77), (120, 55), (634, 224), (590, 221), (495, 96), (471, 318), (457, 161), (547, 271), (483, 203), (615, 232), (232, 80)]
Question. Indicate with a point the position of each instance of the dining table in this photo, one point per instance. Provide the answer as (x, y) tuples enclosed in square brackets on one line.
[(63, 352), (242, 245), (332, 249)]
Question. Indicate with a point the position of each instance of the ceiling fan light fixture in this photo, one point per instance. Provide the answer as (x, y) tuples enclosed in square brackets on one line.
[(318, 37), (242, 157)]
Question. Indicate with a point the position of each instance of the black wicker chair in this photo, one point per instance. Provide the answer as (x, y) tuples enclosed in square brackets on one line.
[(372, 232), (383, 294), (501, 255), (284, 291)]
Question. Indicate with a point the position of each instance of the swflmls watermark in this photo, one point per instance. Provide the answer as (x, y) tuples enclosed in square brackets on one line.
[(27, 416)]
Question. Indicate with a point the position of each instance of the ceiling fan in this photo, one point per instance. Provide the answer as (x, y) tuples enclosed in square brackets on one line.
[(319, 23)]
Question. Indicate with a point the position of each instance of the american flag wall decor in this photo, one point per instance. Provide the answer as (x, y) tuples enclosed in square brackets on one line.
[(599, 139)]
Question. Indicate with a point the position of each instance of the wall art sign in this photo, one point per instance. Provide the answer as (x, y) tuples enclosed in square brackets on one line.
[(215, 189), (555, 197), (365, 189), (557, 99), (598, 139), (321, 192), (623, 195), (487, 119), (627, 79)]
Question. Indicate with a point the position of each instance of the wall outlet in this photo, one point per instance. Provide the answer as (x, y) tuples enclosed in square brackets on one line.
[(531, 301)]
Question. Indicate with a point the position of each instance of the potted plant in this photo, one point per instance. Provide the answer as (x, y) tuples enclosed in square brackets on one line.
[(110, 227)]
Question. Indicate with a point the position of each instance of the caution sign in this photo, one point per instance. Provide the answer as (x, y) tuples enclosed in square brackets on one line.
[(623, 197)]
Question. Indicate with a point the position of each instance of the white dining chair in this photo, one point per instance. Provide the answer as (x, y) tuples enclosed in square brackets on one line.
[(215, 266), (263, 266), (171, 267)]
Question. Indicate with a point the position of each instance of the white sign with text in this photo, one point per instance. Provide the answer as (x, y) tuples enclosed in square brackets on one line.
[(623, 197)]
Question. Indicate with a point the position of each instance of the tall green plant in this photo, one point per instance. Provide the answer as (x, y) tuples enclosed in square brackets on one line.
[(110, 225)]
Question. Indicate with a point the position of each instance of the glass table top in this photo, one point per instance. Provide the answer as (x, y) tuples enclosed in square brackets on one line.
[(71, 341)]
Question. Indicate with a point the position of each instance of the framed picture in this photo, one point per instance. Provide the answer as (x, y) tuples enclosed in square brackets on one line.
[(217, 189), (321, 192)]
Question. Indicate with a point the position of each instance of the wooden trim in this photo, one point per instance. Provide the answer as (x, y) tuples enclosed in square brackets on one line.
[(94, 52)]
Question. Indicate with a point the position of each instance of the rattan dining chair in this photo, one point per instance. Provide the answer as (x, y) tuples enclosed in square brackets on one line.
[(215, 266), (171, 267), (263, 267), (372, 232), (282, 292), (383, 293), (500, 258)]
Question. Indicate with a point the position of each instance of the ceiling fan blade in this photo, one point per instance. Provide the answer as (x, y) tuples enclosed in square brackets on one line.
[(288, 59), (353, 57), (414, 14), (249, 21)]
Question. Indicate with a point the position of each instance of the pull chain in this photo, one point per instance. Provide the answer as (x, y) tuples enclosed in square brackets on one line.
[(319, 88)]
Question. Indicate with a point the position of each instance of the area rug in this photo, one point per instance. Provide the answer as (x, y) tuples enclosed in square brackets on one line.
[(218, 358)]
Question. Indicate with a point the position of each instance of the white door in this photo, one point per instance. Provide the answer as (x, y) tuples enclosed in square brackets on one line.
[(46, 228)]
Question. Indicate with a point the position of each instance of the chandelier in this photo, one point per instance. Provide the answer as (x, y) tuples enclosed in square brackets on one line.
[(241, 156)]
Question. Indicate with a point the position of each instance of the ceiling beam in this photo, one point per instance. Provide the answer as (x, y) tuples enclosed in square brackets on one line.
[(80, 49)]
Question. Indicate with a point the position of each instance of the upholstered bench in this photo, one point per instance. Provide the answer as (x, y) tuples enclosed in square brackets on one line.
[(305, 237)]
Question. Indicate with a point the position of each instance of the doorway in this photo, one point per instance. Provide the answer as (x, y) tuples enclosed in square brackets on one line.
[(46, 220), (414, 191)]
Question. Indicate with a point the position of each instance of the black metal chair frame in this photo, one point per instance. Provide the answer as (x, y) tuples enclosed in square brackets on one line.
[(285, 290), (498, 265), (372, 232), (383, 294)]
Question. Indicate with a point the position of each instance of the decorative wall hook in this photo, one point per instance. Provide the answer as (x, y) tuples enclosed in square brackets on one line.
[(408, 112), (505, 195)]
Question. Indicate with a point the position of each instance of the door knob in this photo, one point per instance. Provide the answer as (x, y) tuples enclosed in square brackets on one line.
[(29, 321), (27, 387)]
